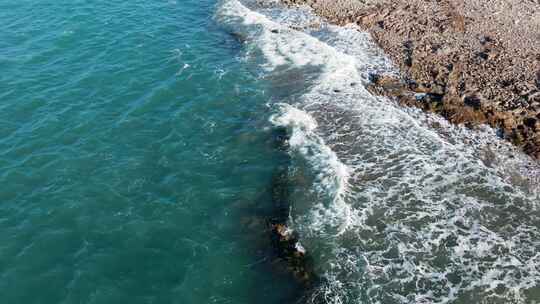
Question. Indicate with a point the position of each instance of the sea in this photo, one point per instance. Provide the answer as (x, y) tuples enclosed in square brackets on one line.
[(142, 144)]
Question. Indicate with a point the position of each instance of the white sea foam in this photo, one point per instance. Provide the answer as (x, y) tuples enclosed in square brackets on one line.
[(402, 206), (330, 174)]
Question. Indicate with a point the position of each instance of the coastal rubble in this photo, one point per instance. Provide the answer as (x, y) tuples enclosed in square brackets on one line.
[(474, 62)]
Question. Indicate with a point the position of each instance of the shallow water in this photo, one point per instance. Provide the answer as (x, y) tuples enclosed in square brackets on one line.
[(138, 164)]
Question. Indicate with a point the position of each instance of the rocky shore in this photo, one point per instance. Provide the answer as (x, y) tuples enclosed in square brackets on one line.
[(474, 62)]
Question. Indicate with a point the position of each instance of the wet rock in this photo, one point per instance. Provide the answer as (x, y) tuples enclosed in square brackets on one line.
[(280, 138), (288, 248), (284, 240)]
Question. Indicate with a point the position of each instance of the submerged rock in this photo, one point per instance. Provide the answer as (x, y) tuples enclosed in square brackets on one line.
[(289, 249), (285, 241)]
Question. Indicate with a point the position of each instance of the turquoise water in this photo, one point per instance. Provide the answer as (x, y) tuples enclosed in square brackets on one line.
[(145, 146), (134, 162)]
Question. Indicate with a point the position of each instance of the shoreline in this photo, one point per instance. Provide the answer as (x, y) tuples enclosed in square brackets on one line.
[(473, 63), (401, 170)]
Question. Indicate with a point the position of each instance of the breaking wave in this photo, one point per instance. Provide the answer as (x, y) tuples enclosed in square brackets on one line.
[(395, 205)]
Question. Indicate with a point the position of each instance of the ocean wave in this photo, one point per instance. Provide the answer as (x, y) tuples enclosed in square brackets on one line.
[(397, 206)]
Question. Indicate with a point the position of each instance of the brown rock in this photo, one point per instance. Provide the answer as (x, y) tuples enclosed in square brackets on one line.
[(473, 55)]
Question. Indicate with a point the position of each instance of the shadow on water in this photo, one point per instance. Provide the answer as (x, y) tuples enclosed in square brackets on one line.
[(289, 82), (264, 228), (289, 255)]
